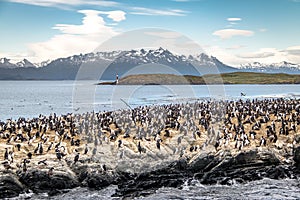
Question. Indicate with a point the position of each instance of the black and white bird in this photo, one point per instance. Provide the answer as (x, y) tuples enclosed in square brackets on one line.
[(58, 154), (50, 147), (263, 141)]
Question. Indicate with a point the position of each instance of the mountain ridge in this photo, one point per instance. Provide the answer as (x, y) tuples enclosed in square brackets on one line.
[(271, 68), (124, 62)]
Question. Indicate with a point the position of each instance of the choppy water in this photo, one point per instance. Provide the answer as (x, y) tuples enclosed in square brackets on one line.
[(262, 189), (31, 98)]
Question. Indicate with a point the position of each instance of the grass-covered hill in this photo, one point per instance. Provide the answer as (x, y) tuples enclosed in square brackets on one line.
[(227, 78)]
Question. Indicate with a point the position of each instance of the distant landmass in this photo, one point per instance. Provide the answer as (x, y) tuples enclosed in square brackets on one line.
[(105, 66), (227, 78)]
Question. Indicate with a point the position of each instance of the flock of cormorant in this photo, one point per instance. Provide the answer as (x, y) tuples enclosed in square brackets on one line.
[(224, 124)]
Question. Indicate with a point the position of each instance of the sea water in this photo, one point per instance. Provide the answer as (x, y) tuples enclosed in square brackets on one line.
[(30, 98), (267, 189)]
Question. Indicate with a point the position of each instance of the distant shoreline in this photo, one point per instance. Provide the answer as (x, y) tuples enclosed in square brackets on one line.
[(209, 79)]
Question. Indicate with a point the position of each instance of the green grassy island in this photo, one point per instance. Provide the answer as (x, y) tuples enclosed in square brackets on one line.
[(227, 78)]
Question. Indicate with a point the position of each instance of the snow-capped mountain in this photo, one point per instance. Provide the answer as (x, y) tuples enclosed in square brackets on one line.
[(6, 64), (105, 65), (25, 63), (42, 64), (282, 67), (123, 62), (138, 57)]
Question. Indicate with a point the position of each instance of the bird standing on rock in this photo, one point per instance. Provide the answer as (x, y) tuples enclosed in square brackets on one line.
[(263, 141), (42, 162), (37, 149), (86, 149), (6, 154), (41, 149), (6, 165), (25, 161), (18, 147), (29, 155), (140, 148), (76, 158), (119, 143), (58, 154), (104, 167), (158, 144), (50, 172), (50, 146)]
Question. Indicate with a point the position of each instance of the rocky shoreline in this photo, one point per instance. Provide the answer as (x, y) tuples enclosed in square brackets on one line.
[(208, 168), (113, 150)]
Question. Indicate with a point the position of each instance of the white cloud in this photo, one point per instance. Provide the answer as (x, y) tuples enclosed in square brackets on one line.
[(229, 33), (234, 19), (149, 11), (76, 39), (235, 47), (263, 55), (225, 56), (268, 56), (257, 55), (294, 50), (16, 57), (165, 34), (66, 3), (92, 23), (293, 54), (116, 15)]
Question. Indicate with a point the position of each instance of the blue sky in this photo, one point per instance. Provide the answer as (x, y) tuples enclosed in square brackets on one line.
[(235, 31)]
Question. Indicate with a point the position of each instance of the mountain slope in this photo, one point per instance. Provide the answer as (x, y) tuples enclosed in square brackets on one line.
[(282, 67), (105, 65)]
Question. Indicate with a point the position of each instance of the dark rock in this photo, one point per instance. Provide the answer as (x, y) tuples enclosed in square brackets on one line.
[(221, 167), (99, 180), (146, 183), (39, 181), (297, 157), (10, 186), (94, 177), (278, 172), (246, 166), (203, 163)]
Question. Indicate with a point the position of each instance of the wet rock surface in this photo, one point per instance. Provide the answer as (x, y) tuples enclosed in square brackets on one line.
[(10, 186), (296, 157), (40, 181), (222, 168)]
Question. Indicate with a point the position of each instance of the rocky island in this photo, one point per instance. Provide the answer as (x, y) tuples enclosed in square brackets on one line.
[(145, 148)]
